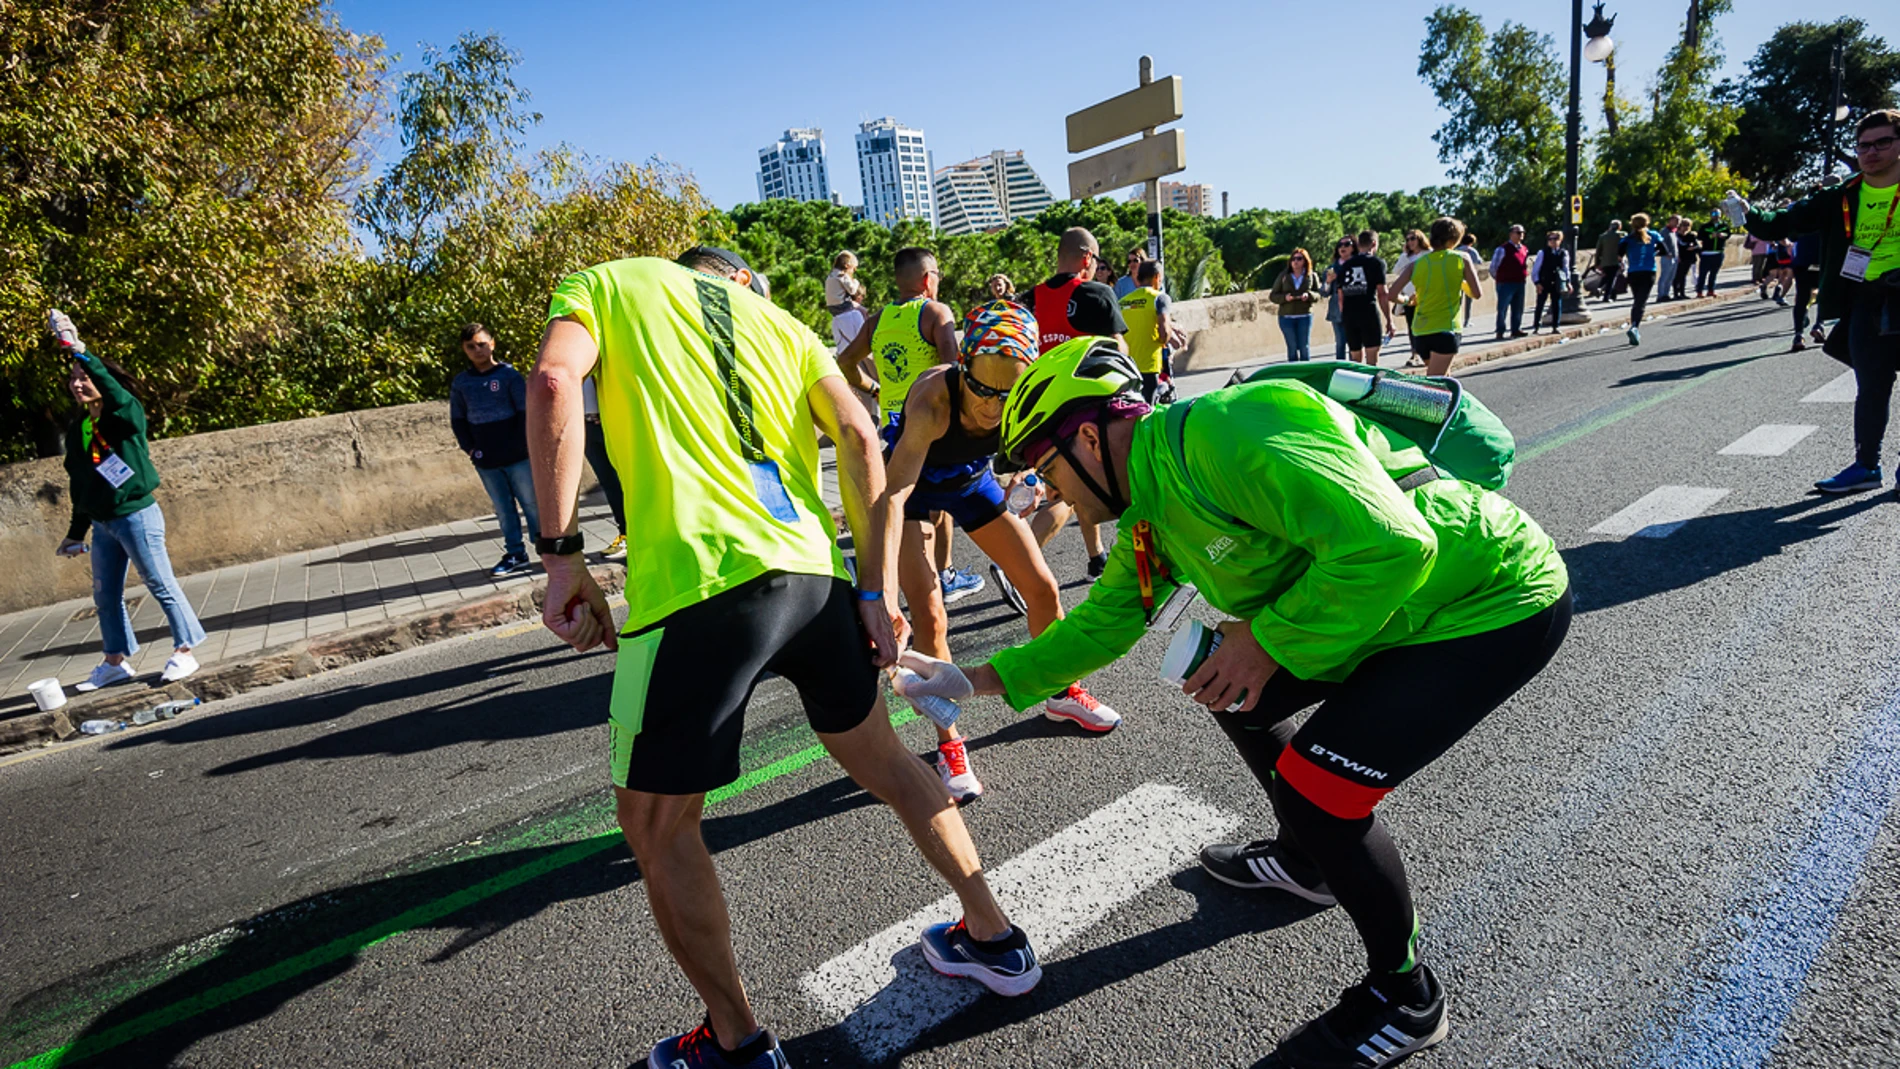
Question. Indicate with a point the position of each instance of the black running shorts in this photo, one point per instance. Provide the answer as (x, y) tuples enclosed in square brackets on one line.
[(1426, 345), (1364, 329), (681, 685)]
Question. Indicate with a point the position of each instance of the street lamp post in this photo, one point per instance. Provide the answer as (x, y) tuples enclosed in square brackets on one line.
[(1596, 51)]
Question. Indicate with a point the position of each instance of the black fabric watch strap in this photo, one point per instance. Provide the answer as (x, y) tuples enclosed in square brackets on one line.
[(559, 547)]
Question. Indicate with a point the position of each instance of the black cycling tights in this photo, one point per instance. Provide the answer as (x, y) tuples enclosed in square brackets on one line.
[(1397, 712)]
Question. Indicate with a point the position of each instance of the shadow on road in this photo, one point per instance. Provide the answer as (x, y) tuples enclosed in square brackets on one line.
[(491, 706), (1220, 914), (1608, 574)]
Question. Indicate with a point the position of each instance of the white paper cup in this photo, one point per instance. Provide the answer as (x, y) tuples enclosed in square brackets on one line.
[(47, 694), (1194, 643)]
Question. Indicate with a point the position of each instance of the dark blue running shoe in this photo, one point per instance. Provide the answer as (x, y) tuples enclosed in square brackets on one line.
[(1851, 479), (1006, 966), (699, 1049)]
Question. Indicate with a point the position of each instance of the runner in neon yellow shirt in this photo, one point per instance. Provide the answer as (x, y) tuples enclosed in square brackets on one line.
[(712, 400), (1441, 280)]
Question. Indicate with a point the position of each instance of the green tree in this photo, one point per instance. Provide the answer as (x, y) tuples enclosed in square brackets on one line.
[(1784, 100), (175, 172), (1503, 136), (1664, 159)]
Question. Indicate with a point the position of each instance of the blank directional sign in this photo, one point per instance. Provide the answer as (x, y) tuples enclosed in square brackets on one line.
[(1127, 165), (1151, 105)]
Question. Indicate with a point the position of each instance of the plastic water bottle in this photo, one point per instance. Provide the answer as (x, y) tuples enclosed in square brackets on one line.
[(1022, 496), (172, 709), (942, 711), (101, 727), (1423, 401)]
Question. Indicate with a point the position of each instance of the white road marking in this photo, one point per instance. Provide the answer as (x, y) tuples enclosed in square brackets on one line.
[(1839, 390), (1660, 512), (1768, 440), (886, 995)]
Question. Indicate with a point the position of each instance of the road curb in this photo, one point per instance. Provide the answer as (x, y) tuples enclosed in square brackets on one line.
[(296, 661)]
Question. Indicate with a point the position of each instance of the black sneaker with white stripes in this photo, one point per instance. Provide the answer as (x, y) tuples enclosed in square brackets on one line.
[(1261, 864), (1377, 1024)]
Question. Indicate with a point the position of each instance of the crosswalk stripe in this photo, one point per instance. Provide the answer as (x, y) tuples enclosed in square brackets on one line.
[(1838, 390), (885, 995), (1768, 440), (1659, 513)]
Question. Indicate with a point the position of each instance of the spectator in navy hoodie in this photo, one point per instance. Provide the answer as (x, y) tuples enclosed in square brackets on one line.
[(488, 409)]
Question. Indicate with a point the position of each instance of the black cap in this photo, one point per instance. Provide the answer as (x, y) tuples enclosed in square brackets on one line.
[(732, 260)]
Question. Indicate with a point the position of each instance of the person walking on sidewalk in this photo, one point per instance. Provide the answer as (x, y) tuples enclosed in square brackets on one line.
[(844, 298), (1510, 269), (1714, 249), (1666, 257), (1405, 604), (111, 477), (488, 411), (1688, 248), (1860, 280), (604, 472), (1343, 250), (1640, 250), (1441, 279), (1551, 271), (1363, 300), (1295, 292), (713, 399), (1609, 260)]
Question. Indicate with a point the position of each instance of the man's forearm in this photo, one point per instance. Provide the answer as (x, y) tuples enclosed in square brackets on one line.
[(556, 448)]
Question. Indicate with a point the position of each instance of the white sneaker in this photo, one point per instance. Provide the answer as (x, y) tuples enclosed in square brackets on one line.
[(953, 764), (178, 666), (1079, 707), (104, 676)]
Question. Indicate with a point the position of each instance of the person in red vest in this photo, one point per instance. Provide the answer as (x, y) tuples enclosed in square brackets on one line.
[(1510, 267), (1070, 305)]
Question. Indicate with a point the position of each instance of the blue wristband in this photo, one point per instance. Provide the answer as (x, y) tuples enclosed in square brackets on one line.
[(870, 595)]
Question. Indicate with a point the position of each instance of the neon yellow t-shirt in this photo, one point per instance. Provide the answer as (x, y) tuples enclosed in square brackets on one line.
[(1439, 279), (902, 351), (1885, 245), (702, 388), (1144, 328)]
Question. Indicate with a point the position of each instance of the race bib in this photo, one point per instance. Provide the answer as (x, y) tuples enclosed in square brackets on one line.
[(1854, 265), (114, 470)]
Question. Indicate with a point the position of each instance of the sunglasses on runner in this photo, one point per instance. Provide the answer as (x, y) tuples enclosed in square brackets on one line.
[(1878, 144), (982, 389)]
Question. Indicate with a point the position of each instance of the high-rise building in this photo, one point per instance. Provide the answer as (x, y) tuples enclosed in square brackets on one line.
[(1193, 199), (894, 167), (988, 193), (793, 167)]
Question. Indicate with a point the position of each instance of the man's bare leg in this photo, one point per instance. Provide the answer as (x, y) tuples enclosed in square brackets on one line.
[(688, 906), (878, 761)]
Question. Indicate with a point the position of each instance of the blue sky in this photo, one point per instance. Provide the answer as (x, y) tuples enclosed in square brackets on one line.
[(1287, 105)]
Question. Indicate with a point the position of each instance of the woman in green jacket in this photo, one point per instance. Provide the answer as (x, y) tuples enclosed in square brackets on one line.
[(109, 462), (1406, 605)]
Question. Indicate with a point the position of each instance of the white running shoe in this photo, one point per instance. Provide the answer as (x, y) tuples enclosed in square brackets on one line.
[(953, 764), (1080, 708), (105, 676), (179, 665)]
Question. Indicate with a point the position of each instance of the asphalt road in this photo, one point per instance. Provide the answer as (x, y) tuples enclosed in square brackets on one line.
[(1674, 848)]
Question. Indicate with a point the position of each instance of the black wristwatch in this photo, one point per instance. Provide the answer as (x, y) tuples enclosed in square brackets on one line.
[(565, 545)]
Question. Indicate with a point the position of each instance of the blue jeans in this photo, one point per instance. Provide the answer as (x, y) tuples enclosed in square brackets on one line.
[(137, 539), (506, 486), (1339, 340), (1511, 299), (1298, 332)]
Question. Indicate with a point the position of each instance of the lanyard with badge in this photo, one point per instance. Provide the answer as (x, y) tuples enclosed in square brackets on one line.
[(1149, 566), (106, 462), (1858, 259)]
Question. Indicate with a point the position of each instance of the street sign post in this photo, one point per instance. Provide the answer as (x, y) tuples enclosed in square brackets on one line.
[(1576, 210), (1145, 159)]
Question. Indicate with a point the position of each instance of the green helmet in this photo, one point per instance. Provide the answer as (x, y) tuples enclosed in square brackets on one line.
[(1074, 375)]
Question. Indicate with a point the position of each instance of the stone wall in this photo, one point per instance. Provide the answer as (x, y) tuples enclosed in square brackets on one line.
[(252, 493)]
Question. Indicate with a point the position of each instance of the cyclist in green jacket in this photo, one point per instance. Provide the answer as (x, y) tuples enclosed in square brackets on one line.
[(1407, 605)]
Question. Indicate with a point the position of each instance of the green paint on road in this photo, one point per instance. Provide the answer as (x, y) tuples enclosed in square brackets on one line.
[(418, 917), (1560, 437)]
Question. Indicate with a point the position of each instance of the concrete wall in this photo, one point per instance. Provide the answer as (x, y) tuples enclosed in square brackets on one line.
[(257, 492), (1244, 328)]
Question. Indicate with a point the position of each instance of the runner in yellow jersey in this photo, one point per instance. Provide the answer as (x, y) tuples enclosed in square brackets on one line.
[(1145, 310), (903, 340), (712, 400), (1441, 279)]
